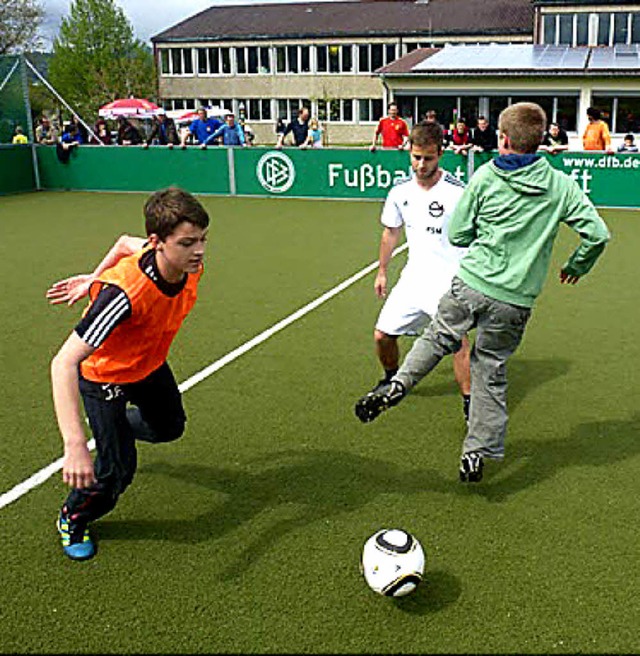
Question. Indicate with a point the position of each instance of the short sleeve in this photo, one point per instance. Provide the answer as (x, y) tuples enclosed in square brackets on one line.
[(391, 216)]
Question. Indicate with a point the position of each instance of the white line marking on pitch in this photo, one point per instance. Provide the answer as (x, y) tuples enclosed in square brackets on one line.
[(47, 472)]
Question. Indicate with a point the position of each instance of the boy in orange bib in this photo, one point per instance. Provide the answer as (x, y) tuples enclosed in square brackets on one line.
[(115, 358)]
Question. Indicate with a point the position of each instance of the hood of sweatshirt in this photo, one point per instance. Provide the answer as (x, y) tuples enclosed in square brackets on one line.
[(526, 174)]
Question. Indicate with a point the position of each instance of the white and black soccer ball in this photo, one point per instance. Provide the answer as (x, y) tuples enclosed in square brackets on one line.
[(392, 562)]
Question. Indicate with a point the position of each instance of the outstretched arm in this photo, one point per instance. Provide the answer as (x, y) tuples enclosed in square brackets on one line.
[(70, 290), (583, 217), (77, 466)]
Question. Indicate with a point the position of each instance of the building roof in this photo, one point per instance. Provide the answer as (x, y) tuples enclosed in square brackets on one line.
[(408, 62), (582, 3), (432, 19), (516, 59)]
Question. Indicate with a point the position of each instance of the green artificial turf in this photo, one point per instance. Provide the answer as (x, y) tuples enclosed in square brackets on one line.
[(245, 535)]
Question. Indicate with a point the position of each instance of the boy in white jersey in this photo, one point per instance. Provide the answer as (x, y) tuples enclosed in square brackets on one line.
[(422, 205)]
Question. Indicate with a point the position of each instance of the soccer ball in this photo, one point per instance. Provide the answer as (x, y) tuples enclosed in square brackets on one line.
[(392, 562)]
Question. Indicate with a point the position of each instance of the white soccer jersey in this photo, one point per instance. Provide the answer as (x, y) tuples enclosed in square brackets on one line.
[(432, 260)]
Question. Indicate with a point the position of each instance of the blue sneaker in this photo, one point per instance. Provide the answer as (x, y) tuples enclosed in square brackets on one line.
[(76, 541)]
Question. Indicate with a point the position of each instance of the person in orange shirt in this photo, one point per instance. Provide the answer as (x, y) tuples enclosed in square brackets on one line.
[(115, 358), (596, 136), (393, 129)]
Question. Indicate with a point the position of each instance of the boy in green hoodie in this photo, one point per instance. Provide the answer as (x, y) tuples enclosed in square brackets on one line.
[(509, 217)]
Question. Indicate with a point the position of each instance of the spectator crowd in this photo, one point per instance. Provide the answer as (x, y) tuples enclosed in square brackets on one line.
[(304, 131)]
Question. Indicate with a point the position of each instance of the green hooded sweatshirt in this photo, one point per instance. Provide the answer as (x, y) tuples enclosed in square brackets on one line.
[(509, 220)]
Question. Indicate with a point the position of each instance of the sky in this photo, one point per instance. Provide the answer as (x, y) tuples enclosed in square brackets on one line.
[(148, 17)]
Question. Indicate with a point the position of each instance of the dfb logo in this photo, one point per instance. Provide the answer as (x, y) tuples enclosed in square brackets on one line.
[(276, 172)]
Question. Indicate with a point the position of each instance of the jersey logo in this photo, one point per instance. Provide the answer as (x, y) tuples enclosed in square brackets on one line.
[(436, 209)]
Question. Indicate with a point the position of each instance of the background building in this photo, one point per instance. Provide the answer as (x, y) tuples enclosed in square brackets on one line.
[(346, 60), (585, 54), (264, 61)]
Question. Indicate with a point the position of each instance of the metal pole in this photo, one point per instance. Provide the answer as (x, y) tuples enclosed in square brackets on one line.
[(27, 105), (9, 74), (63, 101), (232, 171)]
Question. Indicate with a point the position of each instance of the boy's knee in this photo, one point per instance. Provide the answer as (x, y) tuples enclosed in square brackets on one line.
[(383, 338), (170, 430), (444, 340), (156, 428)]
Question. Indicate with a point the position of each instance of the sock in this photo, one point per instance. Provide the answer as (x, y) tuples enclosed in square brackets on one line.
[(389, 374)]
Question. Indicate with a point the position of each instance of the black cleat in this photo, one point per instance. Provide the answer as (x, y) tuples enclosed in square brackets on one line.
[(382, 386), (471, 465), (372, 404)]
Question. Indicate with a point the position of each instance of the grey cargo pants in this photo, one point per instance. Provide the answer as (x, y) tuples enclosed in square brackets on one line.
[(500, 327)]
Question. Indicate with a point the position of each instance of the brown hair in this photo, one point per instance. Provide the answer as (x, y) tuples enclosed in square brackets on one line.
[(168, 208), (524, 123), (425, 134)]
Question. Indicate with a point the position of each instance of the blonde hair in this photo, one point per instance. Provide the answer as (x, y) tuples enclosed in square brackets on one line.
[(524, 123)]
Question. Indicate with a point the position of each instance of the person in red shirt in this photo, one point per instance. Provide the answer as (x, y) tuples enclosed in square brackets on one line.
[(115, 359), (394, 130), (461, 138)]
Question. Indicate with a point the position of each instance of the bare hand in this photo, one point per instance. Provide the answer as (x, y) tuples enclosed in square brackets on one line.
[(69, 290), (77, 468), (566, 278), (380, 285)]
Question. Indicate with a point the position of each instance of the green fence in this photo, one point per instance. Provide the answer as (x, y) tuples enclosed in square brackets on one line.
[(117, 168), (243, 171), (16, 169), (327, 173), (609, 180)]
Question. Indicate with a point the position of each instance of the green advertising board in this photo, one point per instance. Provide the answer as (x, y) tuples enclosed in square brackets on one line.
[(133, 168), (327, 173), (16, 169), (610, 180)]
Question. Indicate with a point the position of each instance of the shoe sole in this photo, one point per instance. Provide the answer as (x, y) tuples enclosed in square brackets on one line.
[(367, 411), (470, 478)]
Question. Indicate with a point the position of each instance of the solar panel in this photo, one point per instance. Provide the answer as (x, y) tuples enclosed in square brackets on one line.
[(618, 57), (505, 57)]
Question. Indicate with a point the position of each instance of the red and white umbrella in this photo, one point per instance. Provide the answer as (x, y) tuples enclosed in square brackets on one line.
[(181, 116), (186, 117), (130, 108)]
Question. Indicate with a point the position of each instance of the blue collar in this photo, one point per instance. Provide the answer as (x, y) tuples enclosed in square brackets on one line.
[(515, 161)]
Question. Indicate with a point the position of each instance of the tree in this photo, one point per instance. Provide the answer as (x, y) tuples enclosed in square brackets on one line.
[(19, 24), (96, 57)]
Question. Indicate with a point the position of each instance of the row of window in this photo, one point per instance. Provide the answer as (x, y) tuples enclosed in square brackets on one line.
[(448, 108), (335, 110), (582, 29), (622, 113), (265, 60)]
